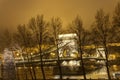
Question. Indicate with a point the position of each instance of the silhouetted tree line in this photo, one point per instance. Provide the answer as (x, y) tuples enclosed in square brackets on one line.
[(38, 32)]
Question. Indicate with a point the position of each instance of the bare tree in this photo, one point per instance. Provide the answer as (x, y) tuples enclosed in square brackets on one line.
[(38, 27), (56, 30), (5, 39), (116, 23), (77, 27), (101, 30), (23, 38)]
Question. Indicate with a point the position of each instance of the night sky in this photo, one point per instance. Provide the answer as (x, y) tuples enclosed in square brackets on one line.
[(14, 12)]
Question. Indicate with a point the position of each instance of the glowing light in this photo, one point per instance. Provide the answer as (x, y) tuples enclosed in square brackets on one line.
[(53, 54), (37, 67), (115, 67), (112, 57), (70, 45), (31, 53), (64, 63), (72, 63), (19, 67), (17, 54), (78, 63), (67, 35), (73, 55), (31, 67)]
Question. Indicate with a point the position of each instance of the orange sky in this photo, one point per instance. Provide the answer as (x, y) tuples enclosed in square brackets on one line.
[(14, 12)]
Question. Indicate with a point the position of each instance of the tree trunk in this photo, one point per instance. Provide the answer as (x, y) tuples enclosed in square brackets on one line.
[(106, 62), (58, 62), (82, 63), (41, 61)]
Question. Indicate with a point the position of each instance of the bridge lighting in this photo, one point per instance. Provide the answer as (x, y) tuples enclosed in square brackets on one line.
[(31, 53), (17, 54), (64, 63), (73, 55), (112, 57), (52, 54), (78, 63), (72, 63)]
